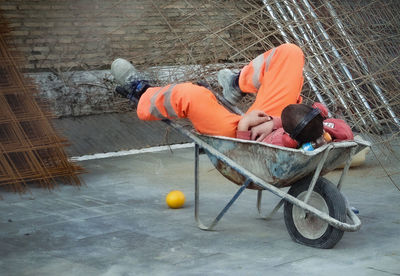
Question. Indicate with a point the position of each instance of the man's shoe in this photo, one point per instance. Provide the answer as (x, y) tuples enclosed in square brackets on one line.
[(132, 86), (121, 69), (230, 88)]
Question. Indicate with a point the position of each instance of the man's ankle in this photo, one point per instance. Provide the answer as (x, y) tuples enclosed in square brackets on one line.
[(141, 87), (133, 90), (236, 82)]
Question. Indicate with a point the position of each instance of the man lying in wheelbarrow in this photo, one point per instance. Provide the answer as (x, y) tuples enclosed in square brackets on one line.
[(276, 116)]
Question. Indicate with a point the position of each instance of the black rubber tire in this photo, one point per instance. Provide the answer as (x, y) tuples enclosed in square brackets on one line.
[(335, 203)]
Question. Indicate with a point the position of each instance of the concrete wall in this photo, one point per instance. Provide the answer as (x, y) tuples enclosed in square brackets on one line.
[(79, 93)]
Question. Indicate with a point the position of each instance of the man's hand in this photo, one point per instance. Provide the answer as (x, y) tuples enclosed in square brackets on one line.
[(259, 132), (252, 119)]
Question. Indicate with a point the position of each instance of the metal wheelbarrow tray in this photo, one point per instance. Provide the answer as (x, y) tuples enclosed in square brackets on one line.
[(315, 212)]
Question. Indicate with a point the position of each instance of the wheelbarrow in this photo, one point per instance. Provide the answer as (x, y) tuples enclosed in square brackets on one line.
[(315, 211)]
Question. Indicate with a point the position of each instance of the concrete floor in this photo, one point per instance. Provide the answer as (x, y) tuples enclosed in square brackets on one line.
[(119, 224), (114, 132)]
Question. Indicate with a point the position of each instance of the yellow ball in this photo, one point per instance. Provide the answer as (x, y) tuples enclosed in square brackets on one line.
[(175, 199)]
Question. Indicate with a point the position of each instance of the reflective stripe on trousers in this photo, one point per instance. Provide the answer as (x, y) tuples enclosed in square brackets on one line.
[(258, 63), (167, 104)]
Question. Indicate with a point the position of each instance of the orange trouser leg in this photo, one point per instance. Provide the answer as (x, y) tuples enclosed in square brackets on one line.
[(277, 78), (187, 100)]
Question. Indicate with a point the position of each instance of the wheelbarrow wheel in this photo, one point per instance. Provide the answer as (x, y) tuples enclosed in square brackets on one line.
[(307, 229)]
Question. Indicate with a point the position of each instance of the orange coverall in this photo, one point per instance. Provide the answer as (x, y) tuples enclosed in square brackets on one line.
[(276, 76)]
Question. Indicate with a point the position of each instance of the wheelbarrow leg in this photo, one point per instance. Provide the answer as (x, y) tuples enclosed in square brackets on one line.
[(276, 208), (197, 194), (316, 174), (346, 168)]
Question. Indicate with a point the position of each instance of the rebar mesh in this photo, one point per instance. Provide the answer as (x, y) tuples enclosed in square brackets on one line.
[(30, 149)]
